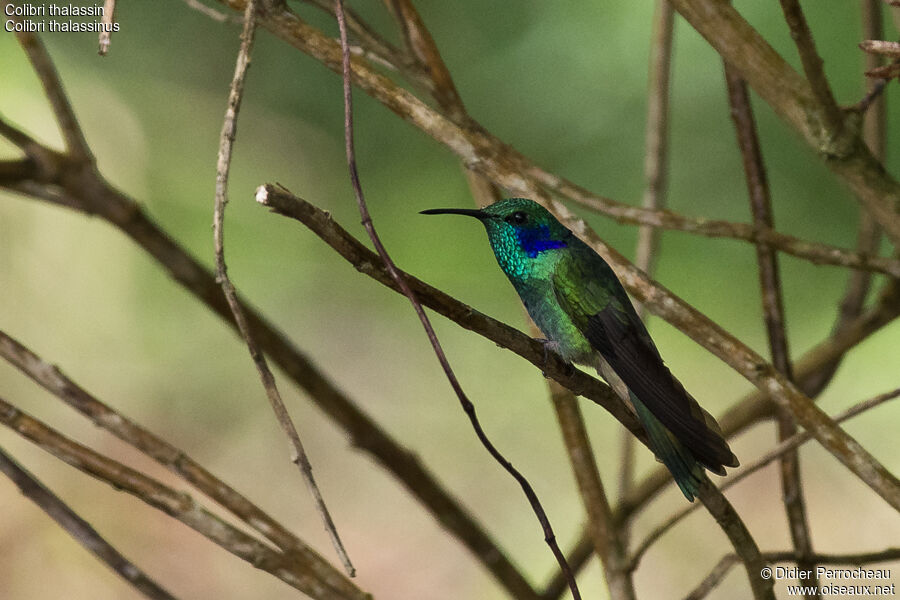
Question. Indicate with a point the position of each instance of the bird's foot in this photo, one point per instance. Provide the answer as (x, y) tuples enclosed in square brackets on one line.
[(553, 347)]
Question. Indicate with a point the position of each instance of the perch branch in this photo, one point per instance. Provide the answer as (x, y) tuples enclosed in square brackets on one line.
[(80, 529), (743, 543), (369, 263), (734, 353), (749, 410)]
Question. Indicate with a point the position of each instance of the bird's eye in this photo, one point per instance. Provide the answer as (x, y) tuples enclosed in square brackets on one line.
[(517, 218)]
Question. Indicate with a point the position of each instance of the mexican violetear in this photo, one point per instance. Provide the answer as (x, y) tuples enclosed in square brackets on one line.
[(575, 299)]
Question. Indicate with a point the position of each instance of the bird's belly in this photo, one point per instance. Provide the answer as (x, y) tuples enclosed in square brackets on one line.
[(557, 327)]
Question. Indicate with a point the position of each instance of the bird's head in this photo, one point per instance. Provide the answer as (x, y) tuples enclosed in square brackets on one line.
[(523, 234)]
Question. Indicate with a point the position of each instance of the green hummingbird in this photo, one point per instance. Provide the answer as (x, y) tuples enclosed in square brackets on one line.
[(578, 303)]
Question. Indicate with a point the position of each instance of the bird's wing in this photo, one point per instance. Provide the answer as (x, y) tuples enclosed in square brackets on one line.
[(588, 290)]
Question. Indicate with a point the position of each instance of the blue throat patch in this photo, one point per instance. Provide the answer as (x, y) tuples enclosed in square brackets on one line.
[(537, 240)]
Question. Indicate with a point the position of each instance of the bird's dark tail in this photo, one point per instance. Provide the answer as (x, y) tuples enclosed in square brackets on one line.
[(688, 473)]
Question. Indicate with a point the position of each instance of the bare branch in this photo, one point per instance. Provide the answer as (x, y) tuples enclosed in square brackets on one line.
[(794, 100), (710, 582), (656, 137), (749, 410), (736, 354), (212, 13), (80, 529), (859, 558), (226, 142), (880, 47)]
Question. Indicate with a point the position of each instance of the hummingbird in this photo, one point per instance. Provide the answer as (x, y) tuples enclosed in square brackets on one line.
[(578, 303)]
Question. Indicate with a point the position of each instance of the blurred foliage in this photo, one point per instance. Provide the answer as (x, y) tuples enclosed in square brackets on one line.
[(564, 82)]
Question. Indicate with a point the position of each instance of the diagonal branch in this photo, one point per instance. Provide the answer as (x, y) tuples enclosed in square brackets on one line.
[(665, 304), (80, 529), (749, 410), (743, 543)]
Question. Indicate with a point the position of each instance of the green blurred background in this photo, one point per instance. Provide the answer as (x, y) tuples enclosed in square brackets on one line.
[(563, 82)]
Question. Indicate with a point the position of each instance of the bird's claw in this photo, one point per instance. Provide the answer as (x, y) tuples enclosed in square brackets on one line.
[(549, 347)]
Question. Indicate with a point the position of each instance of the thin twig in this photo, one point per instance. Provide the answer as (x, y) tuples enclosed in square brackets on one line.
[(76, 145), (106, 24), (226, 142), (787, 445), (289, 567), (710, 582), (467, 405), (80, 529), (773, 312), (56, 382)]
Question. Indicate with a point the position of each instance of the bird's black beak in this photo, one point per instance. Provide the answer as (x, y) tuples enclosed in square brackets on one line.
[(469, 212)]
